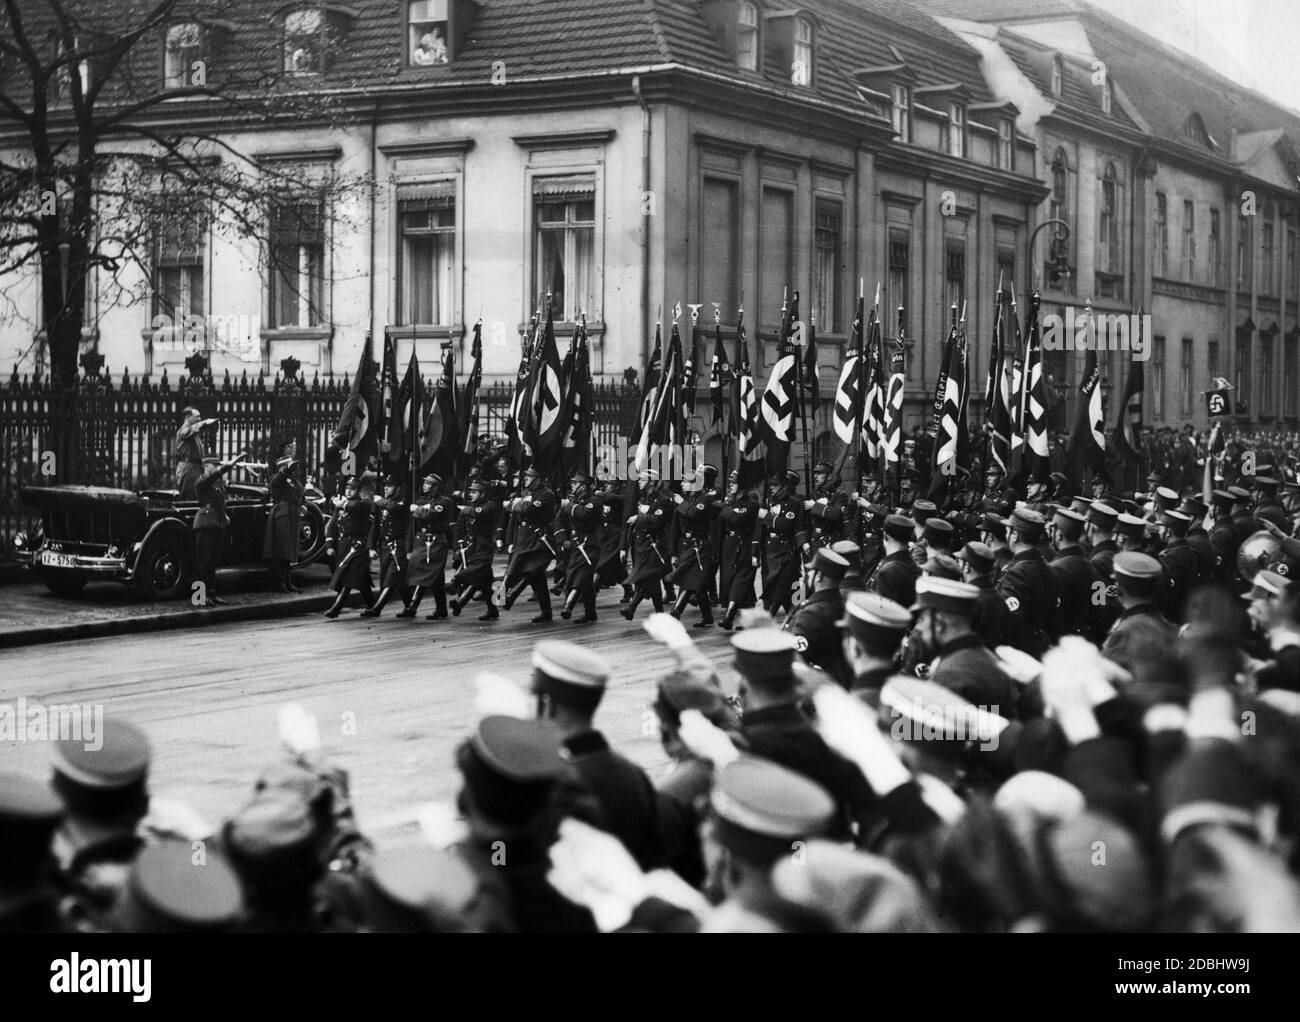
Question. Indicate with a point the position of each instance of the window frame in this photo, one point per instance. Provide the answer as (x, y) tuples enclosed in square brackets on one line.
[(809, 76), (411, 40), (1158, 378), (1267, 248), (202, 48), (203, 261), (1006, 144), (836, 304), (1057, 83), (321, 35), (956, 139), (404, 191), (754, 32), (536, 290), (1189, 239), (1216, 247), (1186, 370), (900, 103), (317, 311), (1162, 234)]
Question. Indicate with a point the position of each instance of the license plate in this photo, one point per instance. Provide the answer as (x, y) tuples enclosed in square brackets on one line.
[(54, 560)]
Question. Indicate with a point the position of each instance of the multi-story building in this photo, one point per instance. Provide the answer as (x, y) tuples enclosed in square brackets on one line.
[(1197, 224), (623, 155)]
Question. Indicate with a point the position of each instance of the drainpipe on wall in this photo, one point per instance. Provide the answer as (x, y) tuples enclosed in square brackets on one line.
[(374, 166), (645, 225)]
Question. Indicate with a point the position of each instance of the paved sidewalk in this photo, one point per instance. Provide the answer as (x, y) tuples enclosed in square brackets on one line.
[(31, 614)]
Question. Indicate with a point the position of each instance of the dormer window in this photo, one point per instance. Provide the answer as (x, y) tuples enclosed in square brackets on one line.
[(1194, 128), (184, 48), (1006, 144), (956, 130), (901, 112), (1105, 94), (1058, 76), (304, 41), (747, 37), (801, 71), (427, 33)]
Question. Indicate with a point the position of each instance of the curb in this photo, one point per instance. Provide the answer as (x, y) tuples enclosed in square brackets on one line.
[(196, 618)]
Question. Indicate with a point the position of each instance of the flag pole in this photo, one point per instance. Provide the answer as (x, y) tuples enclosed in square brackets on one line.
[(803, 406)]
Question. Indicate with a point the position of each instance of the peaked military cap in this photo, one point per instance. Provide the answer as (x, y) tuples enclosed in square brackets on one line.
[(850, 551), (569, 673), (1102, 515), (978, 555), (945, 594), (765, 656), (942, 566), (760, 809), (830, 564), (1266, 585), (1029, 524), (1165, 498), (1131, 526), (168, 893), (1176, 522), (923, 509), (870, 617), (1132, 564), (899, 528), (938, 532), (120, 761)]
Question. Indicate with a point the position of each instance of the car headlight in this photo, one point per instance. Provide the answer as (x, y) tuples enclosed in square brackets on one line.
[(20, 541)]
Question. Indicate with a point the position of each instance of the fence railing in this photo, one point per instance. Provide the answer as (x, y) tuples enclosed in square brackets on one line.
[(120, 433)]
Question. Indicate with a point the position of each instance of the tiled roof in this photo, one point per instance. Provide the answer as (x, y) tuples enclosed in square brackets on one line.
[(1079, 96), (998, 10)]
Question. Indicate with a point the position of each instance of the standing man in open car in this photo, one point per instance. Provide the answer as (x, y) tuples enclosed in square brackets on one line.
[(189, 452), (210, 526)]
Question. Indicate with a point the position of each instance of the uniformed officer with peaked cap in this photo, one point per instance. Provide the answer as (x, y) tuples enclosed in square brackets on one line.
[(569, 682), (895, 574), (815, 622), (874, 627), (989, 619), (512, 770), (169, 893), (1027, 586), (759, 809)]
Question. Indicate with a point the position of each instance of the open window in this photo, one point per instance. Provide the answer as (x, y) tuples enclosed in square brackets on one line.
[(311, 36), (436, 30)]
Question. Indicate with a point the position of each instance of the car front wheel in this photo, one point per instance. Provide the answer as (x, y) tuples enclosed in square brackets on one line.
[(162, 571)]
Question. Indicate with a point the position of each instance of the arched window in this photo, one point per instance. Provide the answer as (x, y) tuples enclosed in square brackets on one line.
[(747, 37), (304, 41), (183, 47), (1058, 76)]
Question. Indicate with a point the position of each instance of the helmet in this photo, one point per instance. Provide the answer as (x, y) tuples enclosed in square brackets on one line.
[(1257, 552)]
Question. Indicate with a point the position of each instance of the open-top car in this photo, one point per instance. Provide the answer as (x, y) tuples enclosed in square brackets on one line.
[(144, 538)]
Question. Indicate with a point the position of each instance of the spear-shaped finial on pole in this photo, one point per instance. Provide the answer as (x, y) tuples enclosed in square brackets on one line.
[(717, 311)]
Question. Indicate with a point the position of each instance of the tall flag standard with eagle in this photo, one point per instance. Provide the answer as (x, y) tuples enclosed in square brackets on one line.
[(440, 445), (660, 429), (579, 400), (746, 420), (997, 390), (469, 403), (720, 376), (950, 442), (1034, 398), (544, 433), (357, 433), (1128, 425), (808, 378), (780, 404), (892, 442), (515, 424), (390, 440), (1086, 448), (410, 404), (847, 417)]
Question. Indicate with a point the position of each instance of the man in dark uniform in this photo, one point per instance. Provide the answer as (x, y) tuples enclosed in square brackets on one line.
[(1076, 579), (895, 576), (1182, 572), (815, 623), (475, 547), (353, 571), (962, 663), (1143, 640), (829, 509), (993, 534), (188, 451), (1131, 533), (854, 581), (1027, 586), (104, 786), (870, 522), (697, 567), (611, 565), (511, 771), (581, 549), (1199, 539), (648, 538), (29, 814), (712, 494), (210, 524), (534, 544), (1102, 522), (1223, 536), (988, 618), (569, 683), (785, 530), (874, 628), (280, 541), (388, 535), (432, 520), (776, 728), (739, 561)]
